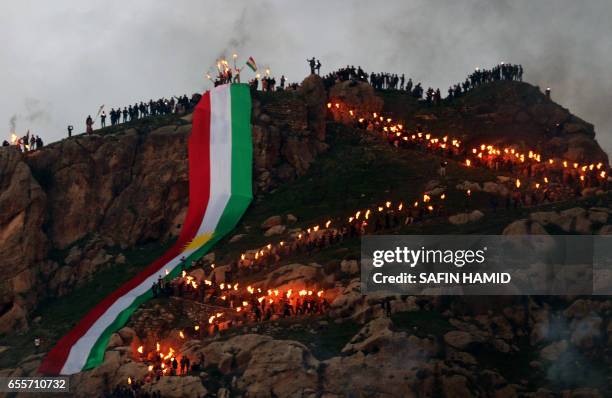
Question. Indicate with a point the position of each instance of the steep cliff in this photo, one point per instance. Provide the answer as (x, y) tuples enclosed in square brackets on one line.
[(65, 209)]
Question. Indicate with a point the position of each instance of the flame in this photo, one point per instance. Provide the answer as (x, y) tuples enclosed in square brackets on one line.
[(150, 368), (468, 162), (157, 347), (129, 380), (181, 334), (196, 327), (327, 224), (518, 183), (140, 349), (329, 105)]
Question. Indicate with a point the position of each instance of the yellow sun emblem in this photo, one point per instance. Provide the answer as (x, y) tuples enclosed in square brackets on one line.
[(198, 241)]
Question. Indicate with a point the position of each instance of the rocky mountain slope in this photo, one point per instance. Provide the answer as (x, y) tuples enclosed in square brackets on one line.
[(65, 207), (82, 205)]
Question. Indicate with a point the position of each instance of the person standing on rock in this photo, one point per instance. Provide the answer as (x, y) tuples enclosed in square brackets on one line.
[(311, 63), (318, 67), (103, 119), (89, 123)]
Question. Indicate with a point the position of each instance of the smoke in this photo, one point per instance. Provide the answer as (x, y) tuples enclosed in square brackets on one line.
[(36, 111), (157, 49), (13, 123)]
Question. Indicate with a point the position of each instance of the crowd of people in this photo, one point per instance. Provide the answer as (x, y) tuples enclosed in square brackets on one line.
[(393, 81), (162, 106), (480, 76), (27, 143)]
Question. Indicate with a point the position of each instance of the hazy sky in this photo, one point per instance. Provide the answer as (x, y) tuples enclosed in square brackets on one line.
[(61, 60)]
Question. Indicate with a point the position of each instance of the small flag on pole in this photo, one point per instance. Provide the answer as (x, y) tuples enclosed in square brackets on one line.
[(251, 64), (100, 110)]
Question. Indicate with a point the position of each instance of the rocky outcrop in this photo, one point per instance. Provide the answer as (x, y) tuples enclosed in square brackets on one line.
[(23, 243), (288, 133), (81, 198), (576, 220), (359, 97)]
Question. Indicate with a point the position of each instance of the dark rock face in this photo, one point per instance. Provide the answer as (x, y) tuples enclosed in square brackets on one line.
[(23, 243), (83, 195), (288, 133)]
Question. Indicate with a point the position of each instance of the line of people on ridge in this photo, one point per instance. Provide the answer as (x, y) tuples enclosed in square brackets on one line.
[(391, 81), (142, 110)]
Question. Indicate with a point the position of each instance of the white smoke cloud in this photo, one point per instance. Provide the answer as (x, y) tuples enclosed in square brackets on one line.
[(117, 53)]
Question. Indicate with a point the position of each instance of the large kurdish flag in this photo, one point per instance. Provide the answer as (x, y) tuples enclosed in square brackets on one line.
[(220, 164)]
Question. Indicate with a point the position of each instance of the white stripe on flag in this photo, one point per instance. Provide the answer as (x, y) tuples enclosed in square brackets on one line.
[(220, 157)]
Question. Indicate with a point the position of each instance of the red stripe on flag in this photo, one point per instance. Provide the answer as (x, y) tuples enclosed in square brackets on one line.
[(199, 192)]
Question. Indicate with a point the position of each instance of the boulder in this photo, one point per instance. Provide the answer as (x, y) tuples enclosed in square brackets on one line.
[(350, 267), (271, 222), (459, 219), (127, 334), (236, 238), (178, 387), (475, 215), (114, 341), (553, 351), (358, 96), (598, 217), (460, 340), (275, 230)]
